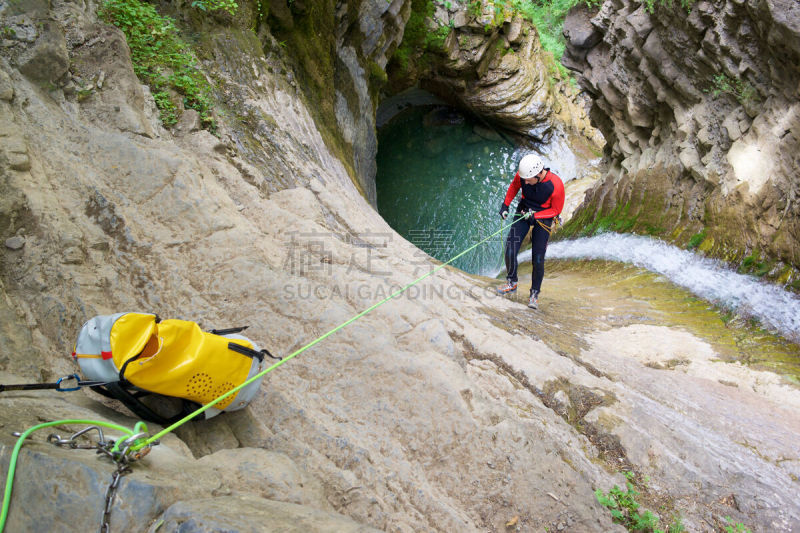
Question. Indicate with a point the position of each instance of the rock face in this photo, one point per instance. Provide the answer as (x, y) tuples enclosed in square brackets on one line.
[(701, 113), (501, 75), (441, 410), (379, 26), (492, 63), (262, 226)]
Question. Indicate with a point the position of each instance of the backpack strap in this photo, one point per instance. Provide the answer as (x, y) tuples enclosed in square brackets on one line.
[(251, 353), (120, 391), (125, 366), (228, 331)]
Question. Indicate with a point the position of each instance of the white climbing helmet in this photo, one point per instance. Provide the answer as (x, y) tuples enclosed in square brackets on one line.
[(529, 166)]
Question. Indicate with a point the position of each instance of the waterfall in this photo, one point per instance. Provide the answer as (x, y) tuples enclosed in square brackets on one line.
[(707, 278)]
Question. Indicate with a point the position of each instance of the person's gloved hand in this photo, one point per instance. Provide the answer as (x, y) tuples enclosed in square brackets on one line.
[(504, 211), (527, 214)]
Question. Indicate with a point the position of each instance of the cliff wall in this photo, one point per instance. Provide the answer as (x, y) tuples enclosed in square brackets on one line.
[(487, 58), (447, 409), (103, 210), (699, 106)]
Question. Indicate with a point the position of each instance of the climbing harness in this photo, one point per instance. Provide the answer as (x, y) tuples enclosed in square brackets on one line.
[(137, 443), (552, 227)]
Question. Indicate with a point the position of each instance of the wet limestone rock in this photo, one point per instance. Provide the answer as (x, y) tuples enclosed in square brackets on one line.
[(360, 60)]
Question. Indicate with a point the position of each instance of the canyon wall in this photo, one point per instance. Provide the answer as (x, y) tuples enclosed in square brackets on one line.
[(446, 409), (700, 109), (385, 425)]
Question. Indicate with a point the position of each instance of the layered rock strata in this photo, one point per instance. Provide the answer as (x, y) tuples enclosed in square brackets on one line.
[(700, 109), (492, 63), (367, 33)]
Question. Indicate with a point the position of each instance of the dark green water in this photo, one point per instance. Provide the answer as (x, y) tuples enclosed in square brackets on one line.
[(440, 185)]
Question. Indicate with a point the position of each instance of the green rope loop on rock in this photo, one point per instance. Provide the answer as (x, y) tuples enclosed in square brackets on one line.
[(150, 440), (13, 463)]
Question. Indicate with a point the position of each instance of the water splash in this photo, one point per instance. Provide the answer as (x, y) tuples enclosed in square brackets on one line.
[(709, 279)]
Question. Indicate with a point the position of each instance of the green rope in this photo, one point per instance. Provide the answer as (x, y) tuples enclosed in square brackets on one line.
[(141, 443), (13, 464), (151, 440)]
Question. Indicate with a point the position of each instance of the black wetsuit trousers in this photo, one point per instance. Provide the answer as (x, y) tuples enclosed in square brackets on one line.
[(539, 238)]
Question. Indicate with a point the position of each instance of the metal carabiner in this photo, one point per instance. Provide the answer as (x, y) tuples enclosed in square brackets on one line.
[(77, 379), (124, 446), (58, 441)]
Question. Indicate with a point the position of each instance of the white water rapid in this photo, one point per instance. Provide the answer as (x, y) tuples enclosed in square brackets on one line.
[(709, 279)]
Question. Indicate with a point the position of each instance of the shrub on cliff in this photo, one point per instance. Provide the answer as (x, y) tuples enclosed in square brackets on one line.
[(161, 59)]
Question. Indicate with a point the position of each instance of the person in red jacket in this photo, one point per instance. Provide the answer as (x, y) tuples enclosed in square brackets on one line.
[(542, 201)]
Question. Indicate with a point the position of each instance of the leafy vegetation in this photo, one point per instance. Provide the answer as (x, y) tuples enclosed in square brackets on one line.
[(753, 264), (548, 17), (435, 39), (417, 36), (161, 59), (625, 509), (742, 90), (734, 527), (229, 6), (696, 239)]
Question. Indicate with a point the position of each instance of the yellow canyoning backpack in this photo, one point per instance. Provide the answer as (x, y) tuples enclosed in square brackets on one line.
[(137, 355)]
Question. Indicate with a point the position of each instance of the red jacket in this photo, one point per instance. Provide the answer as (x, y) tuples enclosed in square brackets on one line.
[(545, 198)]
